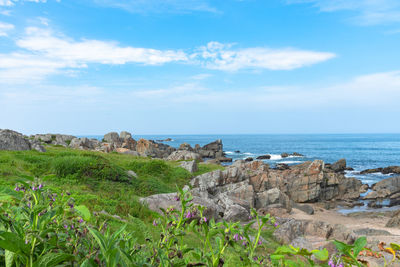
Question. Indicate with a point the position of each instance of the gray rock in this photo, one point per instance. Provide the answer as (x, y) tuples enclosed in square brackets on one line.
[(304, 207), (124, 135), (370, 232), (273, 196), (190, 166), (185, 146), (111, 137), (339, 166), (131, 174), (37, 146), (183, 155), (236, 213), (394, 222), (11, 140)]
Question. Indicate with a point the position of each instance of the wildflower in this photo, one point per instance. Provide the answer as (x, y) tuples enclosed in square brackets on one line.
[(80, 220), (40, 186), (29, 204), (65, 226), (34, 188), (276, 224), (236, 237), (259, 242), (205, 219), (54, 221), (250, 217), (255, 258), (241, 237), (188, 215), (53, 199), (17, 189), (340, 265), (26, 242), (244, 243), (68, 193), (154, 223), (71, 205), (72, 226), (177, 198)]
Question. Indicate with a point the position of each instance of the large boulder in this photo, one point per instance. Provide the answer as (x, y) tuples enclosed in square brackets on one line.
[(111, 137), (11, 140), (385, 188), (339, 166), (149, 148), (124, 135), (184, 155), (185, 146), (190, 166), (211, 150), (273, 196)]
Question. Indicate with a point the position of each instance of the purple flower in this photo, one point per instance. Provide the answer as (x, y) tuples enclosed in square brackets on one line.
[(154, 223), (72, 226), (68, 193), (205, 219), (236, 237), (34, 188), (40, 186), (17, 188), (244, 243), (80, 220), (331, 264), (26, 242), (276, 224), (65, 226), (29, 204), (255, 258), (177, 198), (54, 199), (250, 217), (188, 215), (54, 221), (71, 205), (259, 242), (241, 237), (340, 265)]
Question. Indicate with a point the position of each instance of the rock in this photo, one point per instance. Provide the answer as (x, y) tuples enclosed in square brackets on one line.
[(111, 137), (37, 146), (237, 151), (236, 213), (339, 166), (302, 242), (45, 138), (131, 174), (211, 150), (386, 170), (282, 166), (385, 188), (155, 202), (184, 155), (394, 222), (11, 140), (224, 159), (367, 171), (185, 146), (64, 139), (84, 143), (248, 159), (284, 155), (374, 205), (264, 157), (273, 196), (123, 135), (149, 148), (370, 232), (305, 208), (190, 166), (297, 154), (213, 161)]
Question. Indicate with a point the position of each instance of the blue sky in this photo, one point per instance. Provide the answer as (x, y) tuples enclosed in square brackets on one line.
[(200, 66)]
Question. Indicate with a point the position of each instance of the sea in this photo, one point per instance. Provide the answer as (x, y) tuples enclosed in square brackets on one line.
[(361, 151)]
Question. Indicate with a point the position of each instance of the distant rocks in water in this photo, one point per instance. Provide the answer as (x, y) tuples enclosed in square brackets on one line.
[(387, 170), (237, 151), (165, 140), (224, 159), (12, 140), (294, 154), (264, 157), (248, 159)]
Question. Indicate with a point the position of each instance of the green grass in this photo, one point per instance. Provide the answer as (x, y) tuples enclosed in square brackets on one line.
[(99, 181)]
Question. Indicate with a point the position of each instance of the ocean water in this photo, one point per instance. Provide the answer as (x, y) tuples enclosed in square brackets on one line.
[(362, 151)]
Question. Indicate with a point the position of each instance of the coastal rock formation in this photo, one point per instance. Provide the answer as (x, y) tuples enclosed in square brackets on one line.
[(11, 140), (190, 166), (339, 166), (264, 157), (255, 185), (184, 155), (386, 188), (211, 150), (386, 170)]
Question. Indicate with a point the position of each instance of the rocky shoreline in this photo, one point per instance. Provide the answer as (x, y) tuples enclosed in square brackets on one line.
[(298, 195)]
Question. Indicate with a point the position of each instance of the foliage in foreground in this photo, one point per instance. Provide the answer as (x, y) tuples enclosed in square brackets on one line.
[(41, 228)]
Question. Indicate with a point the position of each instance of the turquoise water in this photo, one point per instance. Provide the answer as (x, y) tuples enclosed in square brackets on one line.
[(362, 151)]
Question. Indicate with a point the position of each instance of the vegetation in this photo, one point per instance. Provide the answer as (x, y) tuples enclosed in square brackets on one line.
[(84, 211)]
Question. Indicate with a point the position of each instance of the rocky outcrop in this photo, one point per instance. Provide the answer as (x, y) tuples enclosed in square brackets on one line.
[(394, 222), (211, 150), (54, 139), (386, 170), (386, 188), (190, 166), (339, 166), (264, 157), (184, 155), (11, 140)]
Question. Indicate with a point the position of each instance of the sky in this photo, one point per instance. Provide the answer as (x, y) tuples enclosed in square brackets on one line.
[(200, 66)]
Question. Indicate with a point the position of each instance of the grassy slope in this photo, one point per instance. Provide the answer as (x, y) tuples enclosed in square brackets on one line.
[(99, 181)]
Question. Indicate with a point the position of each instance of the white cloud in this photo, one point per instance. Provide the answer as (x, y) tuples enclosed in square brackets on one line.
[(5, 12), (159, 6), (12, 2), (5, 28), (370, 12), (223, 57)]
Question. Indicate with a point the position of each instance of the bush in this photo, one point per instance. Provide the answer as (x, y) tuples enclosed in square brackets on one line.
[(88, 166)]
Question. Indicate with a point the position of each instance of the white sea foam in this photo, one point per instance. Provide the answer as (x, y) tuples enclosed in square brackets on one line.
[(229, 152), (275, 157), (248, 153)]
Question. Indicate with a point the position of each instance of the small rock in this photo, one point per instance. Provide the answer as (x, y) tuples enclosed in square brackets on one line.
[(284, 155), (190, 166), (304, 207), (264, 157), (248, 159), (131, 174)]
